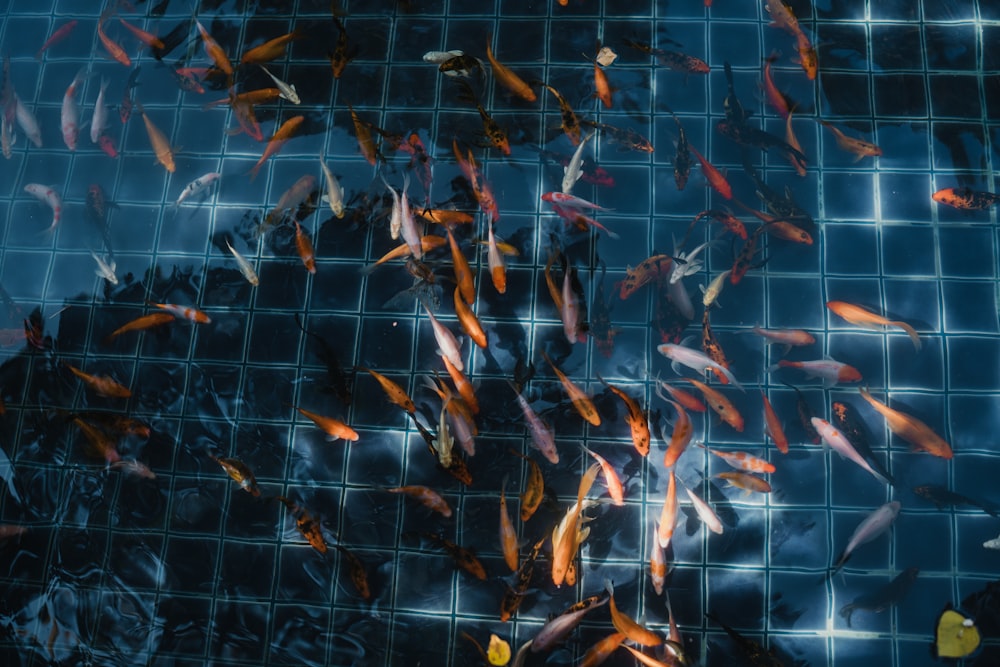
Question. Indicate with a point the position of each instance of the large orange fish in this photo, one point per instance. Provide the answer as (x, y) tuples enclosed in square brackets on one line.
[(116, 51), (216, 53), (270, 50), (713, 175), (145, 322), (274, 145), (867, 319), (507, 78), (722, 405), (918, 434), (334, 428), (101, 384)]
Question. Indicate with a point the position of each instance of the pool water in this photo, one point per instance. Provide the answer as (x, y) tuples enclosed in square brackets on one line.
[(166, 560)]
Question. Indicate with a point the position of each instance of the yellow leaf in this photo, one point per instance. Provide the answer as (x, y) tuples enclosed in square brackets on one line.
[(498, 652)]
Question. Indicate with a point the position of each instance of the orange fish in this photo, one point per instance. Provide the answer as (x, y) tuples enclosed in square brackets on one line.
[(464, 387), (722, 405), (495, 263), (429, 497), (681, 436), (566, 536), (252, 97), (867, 319), (146, 38), (464, 558), (305, 248), (99, 445), (742, 480), (507, 78), (395, 393), (357, 570), (743, 461), (240, 473), (246, 118), (602, 650), (427, 244), (649, 270), (632, 630), (714, 176), (468, 320), (307, 525), (480, 188), (216, 53), (159, 141), (601, 86), (668, 515), (534, 490), (636, 419), (184, 312), (116, 51), (443, 216), (793, 141), (657, 565), (463, 272), (364, 134), (688, 400), (918, 434), (284, 133), (577, 397), (508, 537), (145, 322), (103, 385), (615, 488), (860, 148), (270, 50), (773, 425), (965, 198), (774, 96), (334, 428)]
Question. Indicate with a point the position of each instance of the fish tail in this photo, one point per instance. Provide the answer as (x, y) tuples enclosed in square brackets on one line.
[(911, 332), (846, 612)]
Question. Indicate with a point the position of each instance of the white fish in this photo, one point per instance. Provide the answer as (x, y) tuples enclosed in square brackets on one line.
[(463, 434), (104, 269), (874, 525), (710, 294), (695, 360), (839, 442), (705, 513), (438, 57), (7, 136), (448, 345), (334, 195), (46, 194), (679, 295), (989, 544), (687, 264), (541, 434), (27, 122), (401, 220), (569, 310), (572, 172), (197, 185), (70, 116), (100, 119), (287, 91), (246, 268)]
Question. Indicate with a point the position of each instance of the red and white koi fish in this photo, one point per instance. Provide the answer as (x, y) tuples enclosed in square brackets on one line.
[(829, 370), (571, 201), (838, 441), (742, 460), (185, 312), (100, 119), (44, 193), (697, 361), (70, 115)]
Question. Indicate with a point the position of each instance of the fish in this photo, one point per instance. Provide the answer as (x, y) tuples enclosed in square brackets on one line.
[(635, 417), (860, 148), (27, 122), (774, 97), (309, 527), (141, 323), (116, 51), (359, 577), (787, 337), (508, 536), (250, 97), (873, 525), (480, 188), (495, 263), (105, 269), (44, 193), (557, 628), (831, 371), (401, 219), (574, 170), (61, 33), (865, 318), (99, 445), (745, 481), (491, 128), (697, 361), (570, 123), (70, 115), (744, 260), (334, 195), (668, 515), (240, 473), (216, 53), (602, 650), (366, 144), (393, 391), (772, 425), (704, 511), (160, 143), (941, 496), (615, 488), (657, 564), (334, 428), (513, 597), (688, 400), (466, 392), (427, 244), (648, 270), (581, 402), (883, 598), (965, 198), (427, 496), (287, 130), (468, 321), (728, 220), (462, 65), (184, 312), (710, 344), (569, 308), (627, 139), (839, 442), (713, 175), (337, 380), (752, 651), (448, 345), (920, 436), (569, 533), (305, 248), (682, 155), (682, 62), (272, 49), (845, 417), (125, 110), (464, 558), (742, 461), (541, 433), (342, 53), (720, 404), (288, 91), (101, 384), (570, 201), (197, 186), (507, 78), (100, 118), (628, 627), (793, 141), (146, 38), (680, 438)]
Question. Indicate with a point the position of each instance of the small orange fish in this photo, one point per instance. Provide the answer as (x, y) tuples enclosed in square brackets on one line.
[(463, 272), (159, 141), (99, 445), (185, 312), (364, 134), (145, 322), (713, 175), (534, 490), (636, 419), (742, 480), (722, 405), (602, 650), (918, 434), (965, 198), (468, 320), (687, 399), (773, 425), (601, 86), (393, 391), (447, 217), (793, 141), (216, 53), (463, 557), (307, 525), (252, 97), (566, 535), (615, 488), (427, 244), (507, 78), (508, 537), (583, 404), (146, 38), (240, 474), (860, 148), (287, 130), (681, 436), (270, 50), (867, 319), (357, 571), (464, 387), (495, 263), (649, 270), (116, 51), (305, 248), (102, 384), (632, 630), (743, 461), (668, 515), (429, 497), (334, 428), (774, 96)]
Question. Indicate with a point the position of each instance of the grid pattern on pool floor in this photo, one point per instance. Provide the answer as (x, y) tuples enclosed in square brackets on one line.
[(189, 569)]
